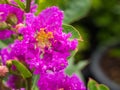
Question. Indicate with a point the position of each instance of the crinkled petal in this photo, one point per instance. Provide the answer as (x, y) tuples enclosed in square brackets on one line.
[(60, 81)]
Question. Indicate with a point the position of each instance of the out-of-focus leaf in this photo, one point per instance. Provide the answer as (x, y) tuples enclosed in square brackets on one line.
[(92, 85), (73, 9), (70, 29), (73, 53), (42, 4), (21, 5), (3, 1), (76, 9), (75, 34), (103, 87), (96, 4), (82, 64), (72, 68), (34, 85), (22, 69), (2, 44)]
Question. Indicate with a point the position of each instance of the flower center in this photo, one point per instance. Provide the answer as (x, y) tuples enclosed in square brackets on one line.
[(43, 38)]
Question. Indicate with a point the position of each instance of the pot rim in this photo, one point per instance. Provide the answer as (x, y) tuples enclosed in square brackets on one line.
[(95, 69)]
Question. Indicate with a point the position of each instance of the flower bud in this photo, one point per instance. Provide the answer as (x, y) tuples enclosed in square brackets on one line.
[(3, 70), (12, 19), (3, 26), (9, 63)]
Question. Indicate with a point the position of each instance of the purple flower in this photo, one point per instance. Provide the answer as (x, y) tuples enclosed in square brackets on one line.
[(60, 81), (54, 46), (12, 81), (5, 55), (44, 46), (15, 82), (4, 34), (7, 12)]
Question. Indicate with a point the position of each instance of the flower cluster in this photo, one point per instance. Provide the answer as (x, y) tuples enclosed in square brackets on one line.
[(9, 16), (41, 45), (60, 81)]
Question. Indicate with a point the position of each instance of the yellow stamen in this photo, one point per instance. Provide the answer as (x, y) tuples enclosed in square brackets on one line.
[(43, 38)]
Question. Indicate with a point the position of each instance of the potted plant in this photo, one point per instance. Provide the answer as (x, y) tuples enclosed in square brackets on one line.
[(105, 65)]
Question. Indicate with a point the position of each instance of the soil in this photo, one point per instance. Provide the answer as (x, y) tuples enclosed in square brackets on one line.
[(111, 66)]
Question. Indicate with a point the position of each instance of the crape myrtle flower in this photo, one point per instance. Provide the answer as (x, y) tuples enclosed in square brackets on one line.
[(7, 10), (9, 16), (14, 81), (60, 81), (54, 46), (44, 45)]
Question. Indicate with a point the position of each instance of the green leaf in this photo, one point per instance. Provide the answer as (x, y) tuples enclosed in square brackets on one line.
[(42, 4), (2, 44), (71, 67), (3, 26), (70, 29), (75, 68), (21, 5), (22, 69), (75, 34), (102, 87), (35, 79), (73, 53), (3, 1), (73, 9), (76, 9), (81, 64), (92, 85)]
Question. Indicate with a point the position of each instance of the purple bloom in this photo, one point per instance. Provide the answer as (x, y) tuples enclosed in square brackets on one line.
[(12, 81), (4, 34), (15, 82), (44, 46), (60, 81), (7, 12), (5, 55), (45, 31)]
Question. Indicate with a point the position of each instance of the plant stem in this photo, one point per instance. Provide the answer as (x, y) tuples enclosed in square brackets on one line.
[(1, 84), (28, 83), (7, 1), (28, 3)]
